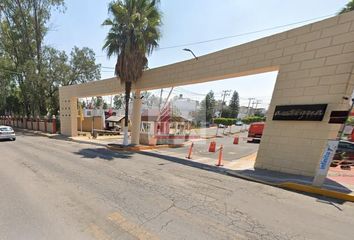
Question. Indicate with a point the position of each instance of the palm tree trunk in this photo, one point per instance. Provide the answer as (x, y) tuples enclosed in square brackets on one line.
[(128, 87)]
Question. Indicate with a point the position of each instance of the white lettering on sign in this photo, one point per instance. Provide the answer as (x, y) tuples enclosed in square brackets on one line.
[(327, 156)]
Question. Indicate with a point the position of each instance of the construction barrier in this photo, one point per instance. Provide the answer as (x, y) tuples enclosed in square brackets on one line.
[(212, 146), (190, 151), (219, 164), (236, 139)]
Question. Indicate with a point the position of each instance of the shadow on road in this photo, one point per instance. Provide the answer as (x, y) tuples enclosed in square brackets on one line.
[(185, 162), (102, 153), (319, 198)]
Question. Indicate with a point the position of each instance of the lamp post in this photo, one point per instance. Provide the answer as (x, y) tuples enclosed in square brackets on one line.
[(188, 50)]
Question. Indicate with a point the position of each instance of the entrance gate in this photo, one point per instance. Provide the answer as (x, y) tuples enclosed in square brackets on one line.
[(314, 63)]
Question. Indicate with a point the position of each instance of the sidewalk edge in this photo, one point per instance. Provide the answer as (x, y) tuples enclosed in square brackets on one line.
[(316, 190), (299, 187)]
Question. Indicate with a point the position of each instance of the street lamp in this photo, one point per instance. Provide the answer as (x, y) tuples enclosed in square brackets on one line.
[(188, 50)]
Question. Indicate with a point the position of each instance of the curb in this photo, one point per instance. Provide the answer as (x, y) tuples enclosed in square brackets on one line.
[(142, 148), (39, 133), (316, 190), (299, 187)]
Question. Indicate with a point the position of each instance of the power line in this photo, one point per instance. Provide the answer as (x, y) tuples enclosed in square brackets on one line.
[(244, 34)]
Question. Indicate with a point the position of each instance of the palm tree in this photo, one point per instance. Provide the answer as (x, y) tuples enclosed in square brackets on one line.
[(349, 7), (133, 35)]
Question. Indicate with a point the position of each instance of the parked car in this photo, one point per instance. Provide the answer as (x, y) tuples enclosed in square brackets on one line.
[(221, 126), (255, 132), (344, 155), (239, 123), (7, 133)]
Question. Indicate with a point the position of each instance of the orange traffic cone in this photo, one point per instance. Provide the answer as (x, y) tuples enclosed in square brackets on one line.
[(220, 157), (236, 139), (190, 151), (212, 146)]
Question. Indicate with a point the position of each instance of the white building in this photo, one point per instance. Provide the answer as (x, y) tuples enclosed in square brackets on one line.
[(185, 107)]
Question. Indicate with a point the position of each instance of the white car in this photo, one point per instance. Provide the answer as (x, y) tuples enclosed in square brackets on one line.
[(7, 132)]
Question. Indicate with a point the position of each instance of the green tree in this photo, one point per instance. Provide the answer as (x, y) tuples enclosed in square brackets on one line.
[(118, 101), (105, 105), (83, 104), (348, 7), (226, 112), (35, 71), (234, 105), (23, 26), (98, 102), (207, 108), (61, 71), (82, 66), (134, 34)]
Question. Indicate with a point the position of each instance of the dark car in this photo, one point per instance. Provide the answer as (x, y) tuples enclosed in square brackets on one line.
[(344, 155)]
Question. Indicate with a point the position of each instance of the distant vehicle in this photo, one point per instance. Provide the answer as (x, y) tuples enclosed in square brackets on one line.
[(221, 126), (7, 133), (344, 155), (239, 123), (255, 132)]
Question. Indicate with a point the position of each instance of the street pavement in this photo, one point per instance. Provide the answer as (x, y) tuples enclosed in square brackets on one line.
[(231, 152), (58, 189)]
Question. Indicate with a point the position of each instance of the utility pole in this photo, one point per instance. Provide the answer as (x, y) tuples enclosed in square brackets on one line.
[(249, 103), (224, 94), (160, 99), (258, 102)]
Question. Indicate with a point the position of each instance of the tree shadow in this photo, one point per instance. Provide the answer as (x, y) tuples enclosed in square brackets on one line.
[(103, 154)]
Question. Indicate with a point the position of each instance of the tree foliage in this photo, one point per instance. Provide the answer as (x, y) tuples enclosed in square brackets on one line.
[(348, 7), (207, 108), (30, 71), (234, 105), (118, 101), (134, 33)]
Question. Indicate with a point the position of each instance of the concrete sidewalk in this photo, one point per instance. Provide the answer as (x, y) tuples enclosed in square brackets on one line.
[(277, 178), (243, 168), (294, 182)]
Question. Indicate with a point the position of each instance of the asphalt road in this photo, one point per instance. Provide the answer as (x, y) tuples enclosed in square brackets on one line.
[(56, 189), (231, 152)]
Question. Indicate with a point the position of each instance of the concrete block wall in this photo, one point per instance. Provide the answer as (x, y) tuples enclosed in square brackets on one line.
[(314, 64)]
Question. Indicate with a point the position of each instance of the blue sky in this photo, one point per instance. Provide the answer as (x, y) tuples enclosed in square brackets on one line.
[(188, 21)]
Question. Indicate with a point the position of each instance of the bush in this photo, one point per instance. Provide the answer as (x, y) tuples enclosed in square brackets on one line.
[(225, 121), (252, 119)]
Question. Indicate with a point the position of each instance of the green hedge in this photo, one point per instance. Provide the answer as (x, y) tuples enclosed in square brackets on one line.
[(225, 121), (252, 119)]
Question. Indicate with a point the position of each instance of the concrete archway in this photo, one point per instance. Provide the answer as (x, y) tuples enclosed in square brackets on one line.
[(315, 64)]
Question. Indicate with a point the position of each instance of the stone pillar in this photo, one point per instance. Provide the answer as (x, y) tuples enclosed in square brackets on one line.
[(136, 118)]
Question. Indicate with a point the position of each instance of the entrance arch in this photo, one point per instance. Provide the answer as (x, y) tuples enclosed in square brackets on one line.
[(314, 63)]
